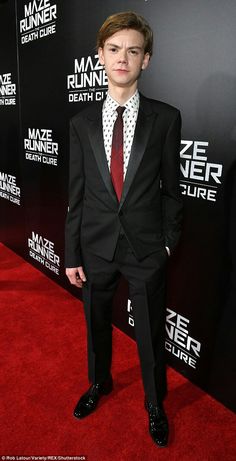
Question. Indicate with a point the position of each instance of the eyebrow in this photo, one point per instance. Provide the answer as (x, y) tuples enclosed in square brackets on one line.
[(129, 48)]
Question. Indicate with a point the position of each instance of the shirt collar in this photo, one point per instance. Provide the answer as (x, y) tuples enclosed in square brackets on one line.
[(110, 105)]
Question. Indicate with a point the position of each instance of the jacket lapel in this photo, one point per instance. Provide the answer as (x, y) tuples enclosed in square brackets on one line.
[(96, 139), (143, 129)]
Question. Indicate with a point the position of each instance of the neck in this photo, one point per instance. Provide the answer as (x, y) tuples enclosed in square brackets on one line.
[(121, 95)]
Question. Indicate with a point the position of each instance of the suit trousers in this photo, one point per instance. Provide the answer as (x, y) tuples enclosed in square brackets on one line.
[(147, 290)]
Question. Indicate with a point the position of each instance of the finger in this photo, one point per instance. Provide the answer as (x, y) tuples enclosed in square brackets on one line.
[(79, 281), (76, 282), (74, 277), (82, 274)]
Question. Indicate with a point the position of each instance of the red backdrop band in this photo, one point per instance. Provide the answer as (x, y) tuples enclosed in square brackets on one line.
[(49, 71)]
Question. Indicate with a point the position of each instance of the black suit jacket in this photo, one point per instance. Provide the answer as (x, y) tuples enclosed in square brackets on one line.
[(150, 209)]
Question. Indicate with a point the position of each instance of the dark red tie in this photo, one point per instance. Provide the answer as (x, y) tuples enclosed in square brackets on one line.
[(117, 156)]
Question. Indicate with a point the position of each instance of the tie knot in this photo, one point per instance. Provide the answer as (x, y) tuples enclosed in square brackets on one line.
[(120, 110)]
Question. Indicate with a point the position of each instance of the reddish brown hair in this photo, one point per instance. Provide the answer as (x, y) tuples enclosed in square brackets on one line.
[(126, 20)]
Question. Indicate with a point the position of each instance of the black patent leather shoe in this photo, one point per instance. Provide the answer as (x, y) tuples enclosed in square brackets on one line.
[(88, 402), (158, 423)]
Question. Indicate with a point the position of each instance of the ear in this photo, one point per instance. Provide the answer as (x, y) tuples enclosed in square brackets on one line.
[(146, 60), (101, 56)]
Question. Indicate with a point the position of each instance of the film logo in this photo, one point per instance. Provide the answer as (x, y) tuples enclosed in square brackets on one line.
[(88, 82), (200, 178), (42, 250), (130, 314), (40, 147), (178, 341), (7, 90), (39, 20), (9, 189)]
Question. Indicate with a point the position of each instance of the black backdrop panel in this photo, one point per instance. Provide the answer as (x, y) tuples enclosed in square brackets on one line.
[(11, 222), (193, 68)]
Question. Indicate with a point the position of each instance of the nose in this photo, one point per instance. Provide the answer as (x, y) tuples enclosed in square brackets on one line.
[(123, 56)]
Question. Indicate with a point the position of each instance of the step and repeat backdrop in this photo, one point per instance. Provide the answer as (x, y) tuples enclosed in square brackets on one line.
[(49, 70)]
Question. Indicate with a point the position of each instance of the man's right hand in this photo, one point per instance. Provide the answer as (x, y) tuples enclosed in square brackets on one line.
[(76, 276)]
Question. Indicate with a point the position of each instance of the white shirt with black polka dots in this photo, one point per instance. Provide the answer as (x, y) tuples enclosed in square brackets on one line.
[(109, 115)]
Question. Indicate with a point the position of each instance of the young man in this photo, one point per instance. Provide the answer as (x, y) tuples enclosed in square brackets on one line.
[(124, 213)]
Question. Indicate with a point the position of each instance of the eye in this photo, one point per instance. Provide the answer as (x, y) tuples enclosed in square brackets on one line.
[(133, 52), (113, 49)]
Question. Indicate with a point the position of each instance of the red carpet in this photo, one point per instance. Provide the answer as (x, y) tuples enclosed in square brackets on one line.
[(44, 371)]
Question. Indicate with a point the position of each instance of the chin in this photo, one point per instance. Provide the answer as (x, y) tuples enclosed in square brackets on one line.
[(124, 81)]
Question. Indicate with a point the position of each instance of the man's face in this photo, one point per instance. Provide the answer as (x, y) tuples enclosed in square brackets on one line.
[(123, 57)]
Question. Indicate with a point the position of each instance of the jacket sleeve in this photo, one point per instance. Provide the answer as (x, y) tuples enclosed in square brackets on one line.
[(172, 204), (76, 194)]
